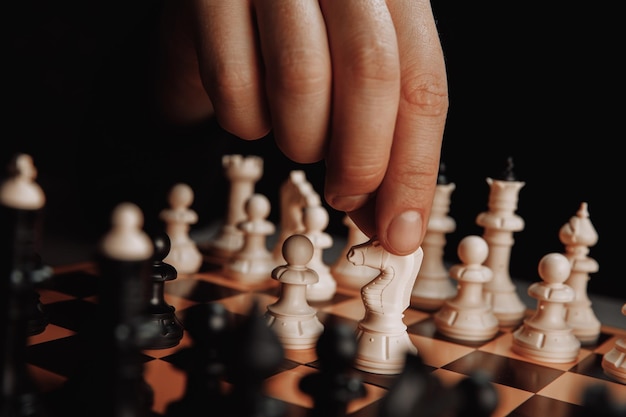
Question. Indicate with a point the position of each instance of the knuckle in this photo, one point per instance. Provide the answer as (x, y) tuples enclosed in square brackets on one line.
[(426, 93), (374, 62), (232, 84), (301, 72)]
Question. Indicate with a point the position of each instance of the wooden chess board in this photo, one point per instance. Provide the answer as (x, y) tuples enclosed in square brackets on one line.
[(525, 387)]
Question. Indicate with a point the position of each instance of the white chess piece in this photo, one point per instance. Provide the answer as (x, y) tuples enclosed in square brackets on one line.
[(295, 194), (545, 336), (184, 254), (499, 223), (346, 274), (383, 341), (467, 316), (293, 319), (315, 220), (253, 263), (578, 235), (614, 361), (433, 285), (242, 172)]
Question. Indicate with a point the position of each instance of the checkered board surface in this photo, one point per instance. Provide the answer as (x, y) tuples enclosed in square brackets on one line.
[(525, 387)]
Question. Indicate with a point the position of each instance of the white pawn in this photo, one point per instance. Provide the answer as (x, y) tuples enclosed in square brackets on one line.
[(253, 263), (347, 274), (467, 316), (293, 319), (546, 336), (315, 220), (184, 254), (614, 361)]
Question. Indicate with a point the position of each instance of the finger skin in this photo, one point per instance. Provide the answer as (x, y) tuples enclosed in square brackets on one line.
[(366, 91), (230, 66), (398, 212), (296, 58)]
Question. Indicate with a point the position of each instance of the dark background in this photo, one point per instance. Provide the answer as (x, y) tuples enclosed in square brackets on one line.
[(540, 84)]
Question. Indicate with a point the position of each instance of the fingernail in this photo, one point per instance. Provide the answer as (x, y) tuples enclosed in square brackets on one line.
[(404, 232), (350, 202)]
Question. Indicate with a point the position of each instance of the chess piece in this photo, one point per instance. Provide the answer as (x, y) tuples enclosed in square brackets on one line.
[(346, 274), (253, 263), (242, 173), (578, 235), (184, 254), (315, 220), (296, 193), (208, 325), (545, 336), (335, 385), (467, 316), (415, 392), (122, 326), (168, 328), (499, 223), (433, 285), (21, 205), (475, 396), (291, 317), (614, 361), (255, 352), (599, 401), (382, 335)]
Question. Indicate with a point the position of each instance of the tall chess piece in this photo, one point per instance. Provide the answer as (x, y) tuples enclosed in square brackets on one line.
[(291, 317), (315, 219), (433, 285), (614, 361), (578, 235), (336, 384), (184, 254), (346, 274), (467, 316), (122, 327), (296, 193), (253, 263), (499, 223), (21, 204), (545, 336), (382, 335), (242, 172), (168, 328)]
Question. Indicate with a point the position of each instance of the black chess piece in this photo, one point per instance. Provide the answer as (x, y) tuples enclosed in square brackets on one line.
[(110, 381), (476, 396), (599, 402), (255, 353), (168, 328), (208, 325), (336, 383), (21, 204), (415, 392)]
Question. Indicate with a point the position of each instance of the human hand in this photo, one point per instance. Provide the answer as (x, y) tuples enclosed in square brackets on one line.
[(360, 84)]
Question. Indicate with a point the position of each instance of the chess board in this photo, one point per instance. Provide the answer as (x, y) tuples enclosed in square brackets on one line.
[(525, 387)]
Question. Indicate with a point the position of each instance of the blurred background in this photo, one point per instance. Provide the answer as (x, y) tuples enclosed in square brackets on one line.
[(538, 83)]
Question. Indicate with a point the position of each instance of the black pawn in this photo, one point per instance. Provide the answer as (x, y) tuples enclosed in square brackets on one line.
[(203, 362), (415, 392), (255, 354), (20, 269), (168, 328), (599, 402), (335, 385), (476, 396)]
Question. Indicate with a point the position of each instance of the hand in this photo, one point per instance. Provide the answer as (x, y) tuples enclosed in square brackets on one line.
[(360, 84)]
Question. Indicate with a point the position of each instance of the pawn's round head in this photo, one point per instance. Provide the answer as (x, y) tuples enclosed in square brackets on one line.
[(554, 268), (297, 250)]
